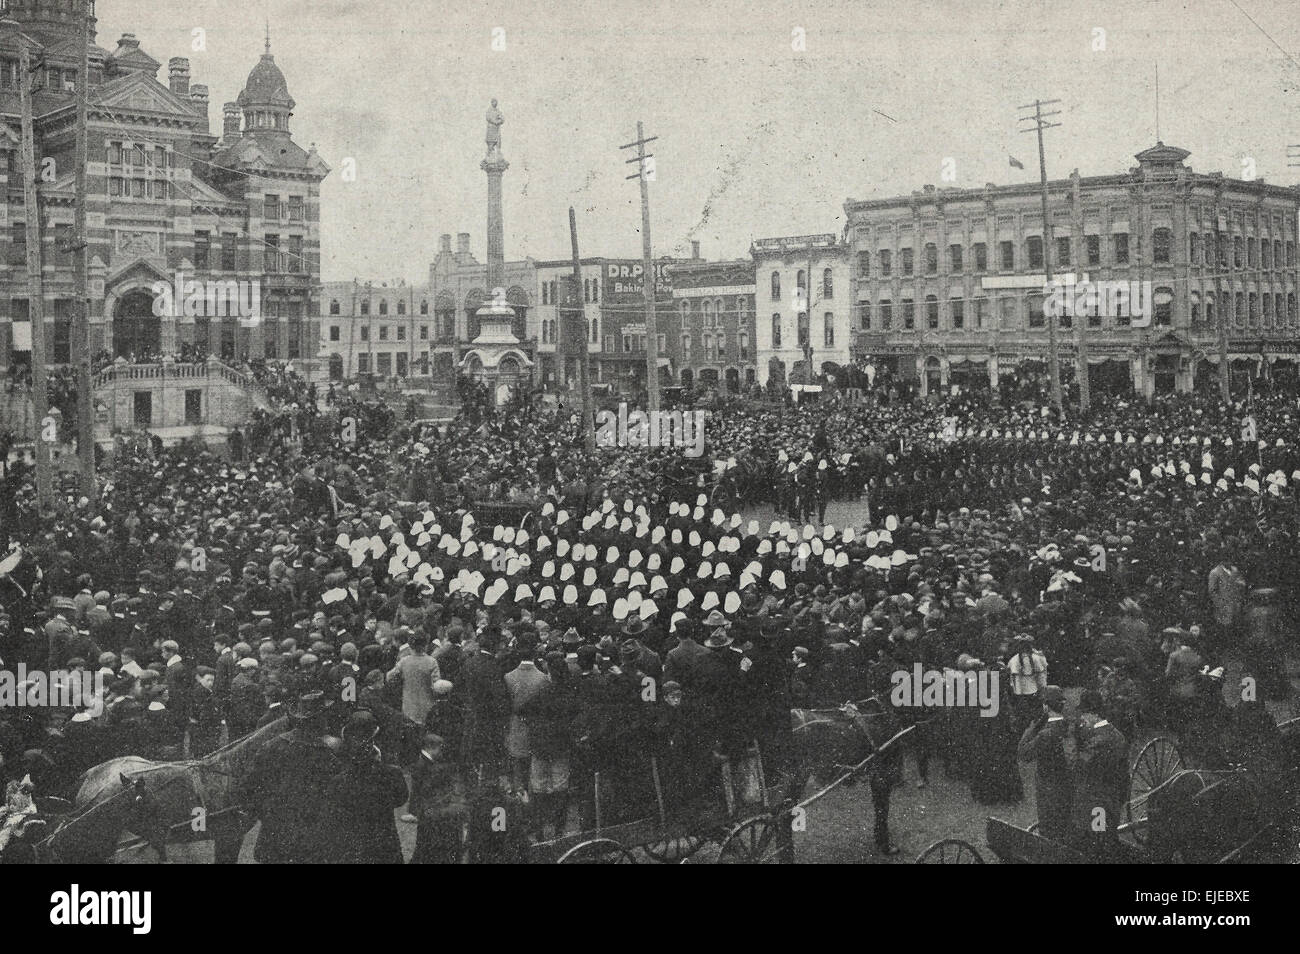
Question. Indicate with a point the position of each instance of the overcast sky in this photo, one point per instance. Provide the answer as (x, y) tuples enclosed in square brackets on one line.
[(755, 139)]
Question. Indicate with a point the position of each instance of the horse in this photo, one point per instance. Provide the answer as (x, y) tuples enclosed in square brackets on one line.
[(90, 835), (196, 799)]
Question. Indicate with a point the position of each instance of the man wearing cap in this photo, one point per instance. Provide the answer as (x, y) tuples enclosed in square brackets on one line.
[(203, 713), (59, 633), (247, 701), (1043, 743)]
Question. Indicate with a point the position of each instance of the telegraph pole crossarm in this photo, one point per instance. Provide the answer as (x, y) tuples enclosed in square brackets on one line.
[(647, 263)]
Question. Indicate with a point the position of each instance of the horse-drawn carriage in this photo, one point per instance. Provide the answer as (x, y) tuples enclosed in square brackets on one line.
[(749, 816), (742, 812), (1174, 814)]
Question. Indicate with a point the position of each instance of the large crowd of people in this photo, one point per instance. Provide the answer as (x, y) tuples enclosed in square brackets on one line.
[(483, 612)]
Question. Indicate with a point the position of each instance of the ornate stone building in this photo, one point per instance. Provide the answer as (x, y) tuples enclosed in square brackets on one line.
[(948, 283), (166, 195)]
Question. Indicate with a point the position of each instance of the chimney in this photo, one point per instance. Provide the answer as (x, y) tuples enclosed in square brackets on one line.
[(444, 242), (695, 249), (462, 243), (230, 121), (199, 97), (178, 71)]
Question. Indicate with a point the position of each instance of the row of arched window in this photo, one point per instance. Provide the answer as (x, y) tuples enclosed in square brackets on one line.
[(801, 282), (710, 311)]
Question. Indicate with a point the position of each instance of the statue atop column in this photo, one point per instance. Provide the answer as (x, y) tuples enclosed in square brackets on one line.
[(494, 121)]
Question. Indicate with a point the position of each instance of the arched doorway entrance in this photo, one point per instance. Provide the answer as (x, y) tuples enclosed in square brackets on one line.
[(733, 380), (688, 377), (137, 331), (336, 367)]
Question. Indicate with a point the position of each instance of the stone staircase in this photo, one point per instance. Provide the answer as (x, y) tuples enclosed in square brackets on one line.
[(226, 397)]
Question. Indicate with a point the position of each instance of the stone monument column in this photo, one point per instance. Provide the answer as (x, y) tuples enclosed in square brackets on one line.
[(495, 166)]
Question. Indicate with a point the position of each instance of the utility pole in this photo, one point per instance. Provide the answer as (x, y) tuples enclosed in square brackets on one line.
[(1053, 356), (808, 345), (36, 290), (79, 250), (647, 266), (566, 336), (1080, 321), (1220, 257)]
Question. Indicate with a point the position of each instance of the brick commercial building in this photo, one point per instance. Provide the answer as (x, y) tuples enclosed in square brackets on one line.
[(711, 337), (166, 195), (948, 283)]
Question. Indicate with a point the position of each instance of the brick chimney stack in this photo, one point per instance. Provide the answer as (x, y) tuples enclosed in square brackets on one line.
[(199, 97), (178, 71), (444, 242), (462, 244)]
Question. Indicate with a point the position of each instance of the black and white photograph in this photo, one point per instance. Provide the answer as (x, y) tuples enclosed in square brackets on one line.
[(651, 433)]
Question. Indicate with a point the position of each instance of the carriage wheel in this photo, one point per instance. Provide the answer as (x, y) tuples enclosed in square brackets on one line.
[(950, 851), (599, 851), (1157, 762), (674, 850), (755, 841)]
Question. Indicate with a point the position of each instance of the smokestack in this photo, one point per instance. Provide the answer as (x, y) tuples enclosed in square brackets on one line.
[(695, 249), (178, 71), (444, 242), (230, 121), (462, 243), (199, 97)]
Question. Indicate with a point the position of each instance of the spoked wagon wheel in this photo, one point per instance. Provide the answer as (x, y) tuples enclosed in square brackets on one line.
[(756, 841), (675, 850), (599, 851), (950, 851), (1157, 762)]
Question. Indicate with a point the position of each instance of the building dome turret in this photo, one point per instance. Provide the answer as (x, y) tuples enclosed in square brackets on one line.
[(265, 100)]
